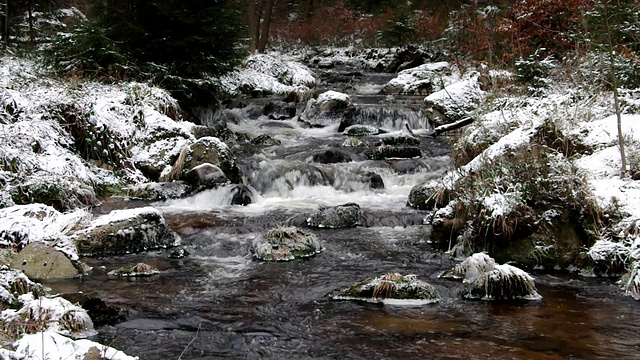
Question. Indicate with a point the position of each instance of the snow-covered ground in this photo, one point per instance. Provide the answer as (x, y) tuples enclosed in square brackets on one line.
[(39, 150)]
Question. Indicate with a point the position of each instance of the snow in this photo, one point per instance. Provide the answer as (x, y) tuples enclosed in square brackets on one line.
[(333, 95), (24, 224), (51, 313), (604, 132), (433, 74), (458, 97), (271, 73), (57, 347), (123, 215)]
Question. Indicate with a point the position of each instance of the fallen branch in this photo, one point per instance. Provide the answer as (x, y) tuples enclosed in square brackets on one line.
[(453, 126)]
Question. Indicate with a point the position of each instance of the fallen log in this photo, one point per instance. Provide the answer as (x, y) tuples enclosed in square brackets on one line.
[(453, 126)]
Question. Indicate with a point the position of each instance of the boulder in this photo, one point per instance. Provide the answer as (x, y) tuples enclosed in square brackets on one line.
[(205, 176), (391, 288), (428, 196), (361, 130), (158, 191), (375, 181), (332, 156), (40, 261), (329, 108), (421, 80), (242, 195), (336, 217), (279, 110), (390, 152), (286, 243), (124, 232), (100, 312), (454, 102)]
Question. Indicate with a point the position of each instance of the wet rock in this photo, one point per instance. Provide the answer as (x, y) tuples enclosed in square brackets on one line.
[(279, 110), (361, 130), (139, 269), (428, 196), (275, 125), (332, 156), (406, 166), (206, 150), (100, 312), (486, 280), (329, 108), (158, 191), (40, 261), (336, 217), (124, 232), (290, 173), (400, 140), (287, 243), (265, 140), (391, 288), (179, 253), (390, 152), (353, 142), (242, 195), (205, 176), (375, 181), (14, 283)]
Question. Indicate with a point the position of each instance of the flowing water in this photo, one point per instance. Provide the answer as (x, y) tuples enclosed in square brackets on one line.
[(219, 302)]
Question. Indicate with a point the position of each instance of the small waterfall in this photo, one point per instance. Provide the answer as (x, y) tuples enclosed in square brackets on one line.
[(389, 116)]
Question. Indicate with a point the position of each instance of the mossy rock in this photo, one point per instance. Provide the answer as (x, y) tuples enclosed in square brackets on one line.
[(484, 279), (125, 232), (400, 140), (361, 130), (394, 152), (286, 243), (428, 196), (139, 269), (40, 261), (391, 288), (158, 191), (336, 217)]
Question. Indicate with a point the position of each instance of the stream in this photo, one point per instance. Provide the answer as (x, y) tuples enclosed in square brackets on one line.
[(219, 302)]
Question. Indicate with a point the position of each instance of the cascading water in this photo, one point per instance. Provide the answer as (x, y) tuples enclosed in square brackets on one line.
[(219, 302)]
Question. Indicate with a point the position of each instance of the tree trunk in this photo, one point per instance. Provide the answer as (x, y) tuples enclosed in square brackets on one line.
[(265, 23), (253, 22), (616, 100), (32, 35), (453, 126)]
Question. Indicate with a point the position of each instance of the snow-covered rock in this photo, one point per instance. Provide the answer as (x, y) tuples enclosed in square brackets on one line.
[(422, 80), (269, 74), (57, 347), (125, 231), (14, 283), (454, 102), (329, 108), (391, 289), (287, 243)]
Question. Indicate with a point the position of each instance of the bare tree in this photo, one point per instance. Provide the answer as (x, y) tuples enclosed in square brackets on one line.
[(259, 22)]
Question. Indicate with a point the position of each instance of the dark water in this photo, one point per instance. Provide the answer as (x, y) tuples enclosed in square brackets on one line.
[(220, 303)]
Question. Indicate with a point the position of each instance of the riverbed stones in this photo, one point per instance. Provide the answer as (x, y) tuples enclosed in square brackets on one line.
[(242, 195), (361, 130), (124, 232), (285, 243), (391, 288), (279, 110), (336, 217), (40, 261)]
